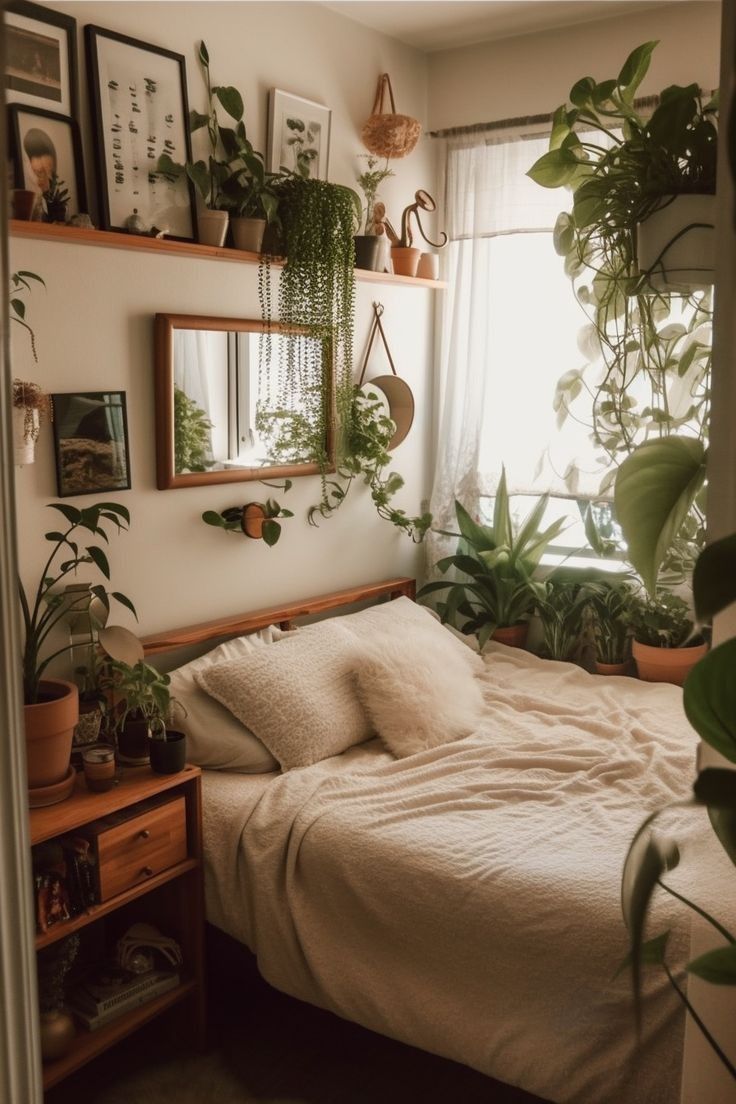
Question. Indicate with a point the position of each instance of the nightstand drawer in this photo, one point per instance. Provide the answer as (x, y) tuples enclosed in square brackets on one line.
[(142, 846)]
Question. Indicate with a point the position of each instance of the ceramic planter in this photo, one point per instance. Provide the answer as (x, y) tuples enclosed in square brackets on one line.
[(676, 244), (212, 227), (170, 755), (666, 664), (368, 252), (405, 261), (248, 233), (514, 636), (26, 424), (133, 743), (49, 727)]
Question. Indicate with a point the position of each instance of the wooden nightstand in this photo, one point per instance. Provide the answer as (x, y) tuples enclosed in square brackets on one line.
[(150, 870)]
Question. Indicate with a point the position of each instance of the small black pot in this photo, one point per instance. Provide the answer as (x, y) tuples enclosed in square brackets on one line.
[(367, 251), (170, 755)]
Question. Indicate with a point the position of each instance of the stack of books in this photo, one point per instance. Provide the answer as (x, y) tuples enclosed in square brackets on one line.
[(108, 993)]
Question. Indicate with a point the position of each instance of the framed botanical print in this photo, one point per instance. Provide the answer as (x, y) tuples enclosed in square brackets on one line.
[(91, 442), (298, 135), (140, 111), (40, 58), (47, 158)]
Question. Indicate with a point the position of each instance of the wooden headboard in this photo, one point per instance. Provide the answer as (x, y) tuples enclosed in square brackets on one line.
[(274, 615)]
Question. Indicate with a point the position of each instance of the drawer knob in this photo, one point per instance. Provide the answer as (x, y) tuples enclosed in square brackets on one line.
[(146, 871), (144, 833)]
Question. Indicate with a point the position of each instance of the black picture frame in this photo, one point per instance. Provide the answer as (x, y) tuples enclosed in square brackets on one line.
[(47, 26), (139, 90), (62, 132), (91, 442)]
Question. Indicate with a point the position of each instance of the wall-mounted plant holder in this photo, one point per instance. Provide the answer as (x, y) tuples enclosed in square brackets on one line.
[(398, 394), (257, 520)]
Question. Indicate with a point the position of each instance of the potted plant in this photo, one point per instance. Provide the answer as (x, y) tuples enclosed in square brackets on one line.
[(52, 705), (664, 647), (611, 605), (497, 596), (142, 708), (257, 520), (709, 698), (57, 1025), (370, 236), (624, 169), (192, 443), (562, 604), (249, 192), (56, 199)]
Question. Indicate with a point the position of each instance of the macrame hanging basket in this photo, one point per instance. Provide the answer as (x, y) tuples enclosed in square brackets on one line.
[(388, 134)]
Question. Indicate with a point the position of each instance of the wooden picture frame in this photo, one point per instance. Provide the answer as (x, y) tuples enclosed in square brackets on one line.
[(298, 135), (91, 442), (40, 58), (138, 95), (43, 143)]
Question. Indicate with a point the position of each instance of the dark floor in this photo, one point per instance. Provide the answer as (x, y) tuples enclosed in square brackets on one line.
[(266, 1047)]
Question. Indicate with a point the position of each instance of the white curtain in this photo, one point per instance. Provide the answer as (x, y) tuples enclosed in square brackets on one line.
[(194, 369), (496, 380)]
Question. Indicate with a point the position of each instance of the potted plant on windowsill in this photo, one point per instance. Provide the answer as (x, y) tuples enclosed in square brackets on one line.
[(633, 169), (611, 605), (370, 236), (664, 647), (497, 596), (52, 705)]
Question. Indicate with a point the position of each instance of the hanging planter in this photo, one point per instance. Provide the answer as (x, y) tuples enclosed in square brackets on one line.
[(675, 245), (386, 133), (29, 404)]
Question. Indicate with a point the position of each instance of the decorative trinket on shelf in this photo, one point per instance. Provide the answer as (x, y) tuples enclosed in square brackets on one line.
[(404, 255)]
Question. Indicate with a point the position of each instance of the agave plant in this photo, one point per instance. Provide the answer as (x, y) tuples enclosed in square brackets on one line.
[(498, 561)]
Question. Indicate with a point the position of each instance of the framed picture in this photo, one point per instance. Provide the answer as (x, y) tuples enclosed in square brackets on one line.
[(40, 58), (91, 442), (139, 111), (298, 135), (43, 146)]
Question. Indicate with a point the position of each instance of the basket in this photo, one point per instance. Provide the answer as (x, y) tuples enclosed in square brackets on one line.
[(388, 134)]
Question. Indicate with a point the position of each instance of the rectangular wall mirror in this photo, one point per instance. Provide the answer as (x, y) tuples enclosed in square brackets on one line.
[(220, 416)]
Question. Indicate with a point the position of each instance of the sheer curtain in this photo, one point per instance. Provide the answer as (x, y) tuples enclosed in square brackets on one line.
[(509, 329)]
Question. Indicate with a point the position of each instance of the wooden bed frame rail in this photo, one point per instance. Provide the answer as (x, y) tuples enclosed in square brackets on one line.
[(275, 615)]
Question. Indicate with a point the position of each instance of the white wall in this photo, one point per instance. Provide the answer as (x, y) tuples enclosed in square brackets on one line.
[(533, 74), (94, 327)]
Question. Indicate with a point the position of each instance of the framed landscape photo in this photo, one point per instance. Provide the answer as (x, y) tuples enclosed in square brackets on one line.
[(45, 145), (139, 105), (91, 442), (298, 135), (40, 58)]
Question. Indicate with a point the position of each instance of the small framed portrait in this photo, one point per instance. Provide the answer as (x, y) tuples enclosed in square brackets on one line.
[(140, 111), (47, 156), (298, 135), (40, 58), (91, 442)]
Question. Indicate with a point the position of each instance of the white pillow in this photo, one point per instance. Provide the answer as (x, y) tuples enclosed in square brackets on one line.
[(215, 739), (419, 702), (299, 698)]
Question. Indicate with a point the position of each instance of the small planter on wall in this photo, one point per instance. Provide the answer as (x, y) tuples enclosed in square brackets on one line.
[(253, 519), (26, 426), (676, 244), (256, 520)]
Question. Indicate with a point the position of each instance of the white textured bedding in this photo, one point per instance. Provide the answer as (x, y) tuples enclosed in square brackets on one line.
[(466, 899)]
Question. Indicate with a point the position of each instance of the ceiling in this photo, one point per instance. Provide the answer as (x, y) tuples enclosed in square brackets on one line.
[(431, 25)]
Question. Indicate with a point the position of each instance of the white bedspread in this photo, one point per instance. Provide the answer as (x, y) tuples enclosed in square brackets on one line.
[(466, 900)]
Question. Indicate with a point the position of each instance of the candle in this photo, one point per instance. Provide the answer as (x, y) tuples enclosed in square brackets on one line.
[(99, 767)]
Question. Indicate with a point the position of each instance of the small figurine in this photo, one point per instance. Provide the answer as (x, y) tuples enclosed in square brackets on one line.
[(135, 224)]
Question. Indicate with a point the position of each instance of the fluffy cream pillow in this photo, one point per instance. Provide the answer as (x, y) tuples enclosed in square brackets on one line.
[(416, 701), (298, 697), (215, 739)]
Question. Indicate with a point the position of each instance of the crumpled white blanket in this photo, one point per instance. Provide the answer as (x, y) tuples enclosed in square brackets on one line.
[(467, 899)]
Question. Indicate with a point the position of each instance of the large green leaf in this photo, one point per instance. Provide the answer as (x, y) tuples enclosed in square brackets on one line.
[(502, 530), (479, 536), (231, 100), (714, 578), (718, 966), (554, 169), (635, 69), (654, 491), (710, 699)]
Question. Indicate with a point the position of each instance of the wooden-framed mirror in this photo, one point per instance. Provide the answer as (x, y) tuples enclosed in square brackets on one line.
[(217, 383)]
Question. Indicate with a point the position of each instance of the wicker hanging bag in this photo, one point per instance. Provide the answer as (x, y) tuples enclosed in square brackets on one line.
[(388, 134)]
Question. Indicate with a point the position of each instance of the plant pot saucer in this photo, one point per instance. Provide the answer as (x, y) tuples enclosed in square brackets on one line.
[(38, 796)]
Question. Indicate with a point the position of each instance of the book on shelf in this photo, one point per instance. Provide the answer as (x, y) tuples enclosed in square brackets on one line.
[(111, 992)]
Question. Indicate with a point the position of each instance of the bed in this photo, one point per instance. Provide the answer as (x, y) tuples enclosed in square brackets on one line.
[(464, 898)]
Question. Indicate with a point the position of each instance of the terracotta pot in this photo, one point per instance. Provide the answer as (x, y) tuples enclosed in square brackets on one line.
[(368, 253), (514, 636), (253, 518), (133, 743), (57, 1034), (405, 261), (170, 755), (683, 261), (24, 202), (212, 227), (49, 732), (611, 668), (666, 664), (248, 233)]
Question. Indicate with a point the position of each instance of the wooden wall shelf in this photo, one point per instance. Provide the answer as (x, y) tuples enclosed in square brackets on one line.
[(111, 239)]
